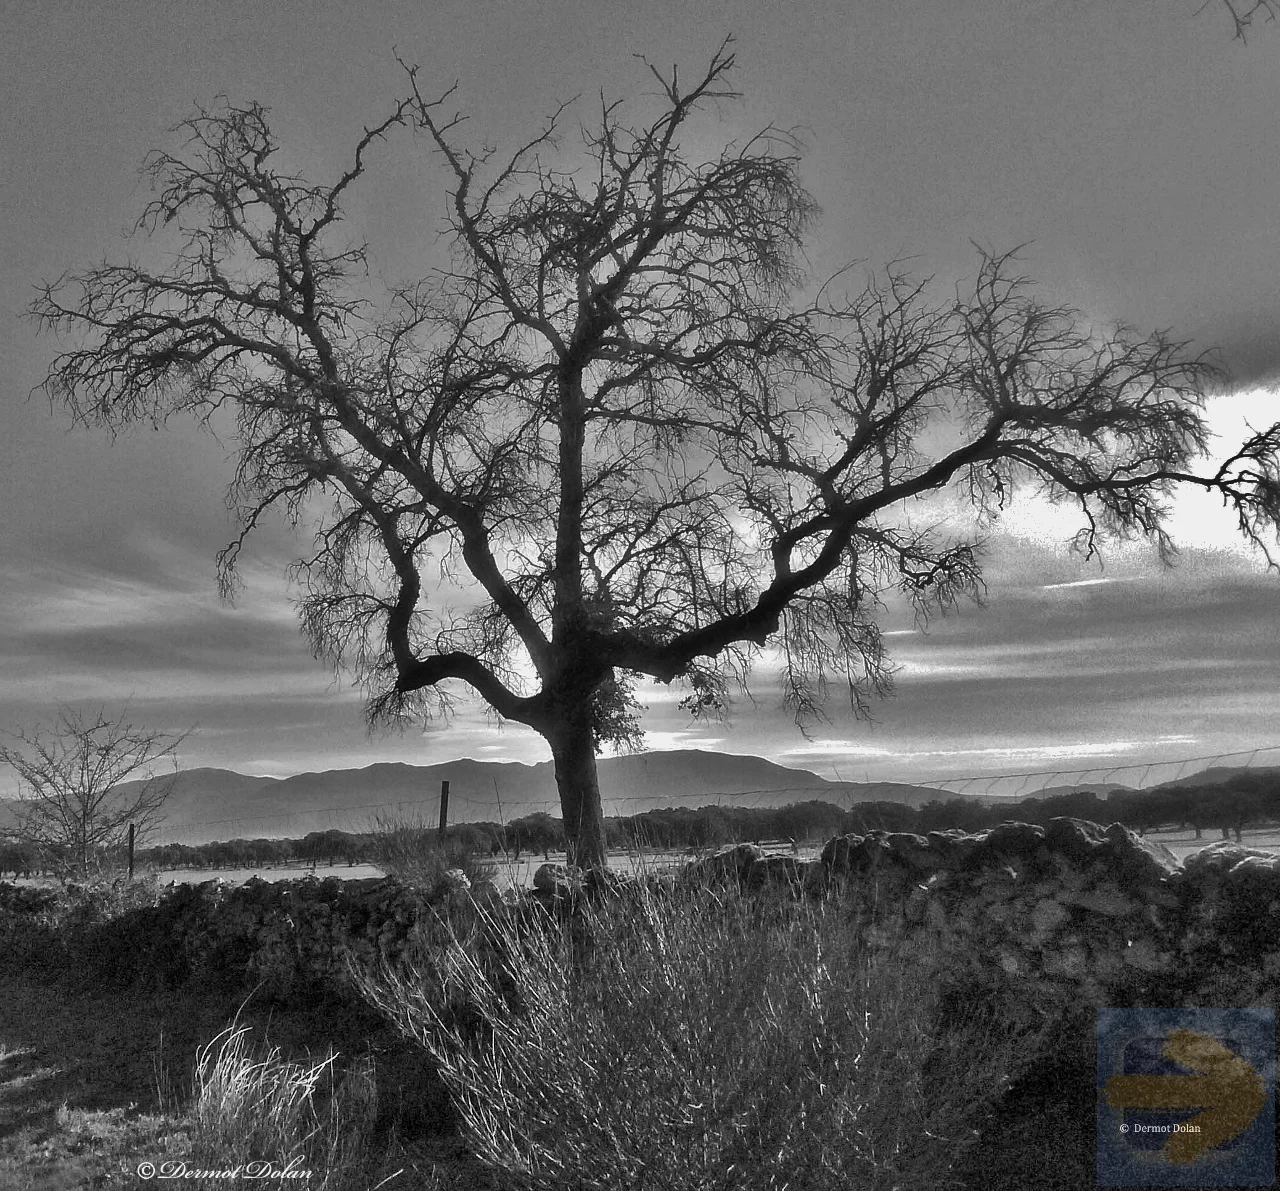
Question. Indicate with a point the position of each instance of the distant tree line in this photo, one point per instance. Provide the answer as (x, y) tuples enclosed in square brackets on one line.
[(1246, 800)]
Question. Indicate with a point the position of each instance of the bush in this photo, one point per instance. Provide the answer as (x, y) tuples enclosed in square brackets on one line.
[(690, 1040), (410, 849), (93, 933)]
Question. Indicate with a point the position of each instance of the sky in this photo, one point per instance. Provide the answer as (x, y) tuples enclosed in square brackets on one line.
[(1129, 145)]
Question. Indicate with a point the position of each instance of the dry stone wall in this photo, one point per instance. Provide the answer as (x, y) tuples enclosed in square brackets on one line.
[(285, 939), (1074, 913), (1065, 914)]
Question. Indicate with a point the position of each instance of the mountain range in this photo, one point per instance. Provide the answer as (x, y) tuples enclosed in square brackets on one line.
[(209, 804)]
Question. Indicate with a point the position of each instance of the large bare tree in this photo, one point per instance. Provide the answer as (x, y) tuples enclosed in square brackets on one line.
[(84, 780), (618, 410)]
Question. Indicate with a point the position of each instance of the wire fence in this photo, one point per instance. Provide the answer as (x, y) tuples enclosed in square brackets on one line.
[(466, 806)]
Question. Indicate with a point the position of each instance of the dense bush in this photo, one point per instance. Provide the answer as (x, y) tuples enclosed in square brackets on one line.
[(689, 1039)]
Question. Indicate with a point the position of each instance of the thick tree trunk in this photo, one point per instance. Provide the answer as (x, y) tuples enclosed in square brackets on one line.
[(574, 752)]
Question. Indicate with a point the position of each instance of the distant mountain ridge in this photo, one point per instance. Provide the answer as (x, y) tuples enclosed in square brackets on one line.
[(211, 804), (208, 804)]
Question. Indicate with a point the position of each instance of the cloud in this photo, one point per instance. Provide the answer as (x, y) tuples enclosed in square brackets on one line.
[(1085, 583)]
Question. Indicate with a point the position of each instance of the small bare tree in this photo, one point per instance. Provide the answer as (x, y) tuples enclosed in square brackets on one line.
[(84, 781)]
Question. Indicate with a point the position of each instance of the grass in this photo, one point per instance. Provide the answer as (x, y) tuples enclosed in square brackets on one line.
[(409, 848), (665, 1041), (255, 1110)]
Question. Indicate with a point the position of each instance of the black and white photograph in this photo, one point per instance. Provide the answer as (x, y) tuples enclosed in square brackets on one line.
[(608, 597)]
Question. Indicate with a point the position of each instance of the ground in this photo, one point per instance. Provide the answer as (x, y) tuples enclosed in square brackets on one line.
[(85, 1076)]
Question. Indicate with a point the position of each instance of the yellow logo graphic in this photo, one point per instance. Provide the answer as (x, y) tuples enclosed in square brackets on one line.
[(1228, 1090)]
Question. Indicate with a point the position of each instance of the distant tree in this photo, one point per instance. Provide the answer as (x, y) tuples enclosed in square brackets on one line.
[(471, 837), (538, 832), (964, 814), (22, 860), (881, 816), (619, 411), (83, 781)]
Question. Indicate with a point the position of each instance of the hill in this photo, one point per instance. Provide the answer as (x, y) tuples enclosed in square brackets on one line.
[(1217, 775), (209, 804)]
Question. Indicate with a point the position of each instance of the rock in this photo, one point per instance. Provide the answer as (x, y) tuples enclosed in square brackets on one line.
[(605, 880), (1012, 844), (773, 870), (558, 880), (1070, 962), (897, 855), (1144, 955), (1105, 899), (728, 865), (912, 851), (836, 852), (1047, 916), (1218, 859), (951, 848), (1116, 850)]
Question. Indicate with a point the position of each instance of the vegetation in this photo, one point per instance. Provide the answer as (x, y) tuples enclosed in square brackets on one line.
[(414, 851), (731, 1040), (687, 1039), (675, 1036), (253, 1107), (87, 783)]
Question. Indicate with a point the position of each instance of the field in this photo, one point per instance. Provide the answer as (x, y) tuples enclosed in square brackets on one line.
[(509, 874), (519, 874)]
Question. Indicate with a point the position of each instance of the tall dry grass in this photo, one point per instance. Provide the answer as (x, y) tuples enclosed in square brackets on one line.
[(686, 1039), (254, 1111), (408, 846)]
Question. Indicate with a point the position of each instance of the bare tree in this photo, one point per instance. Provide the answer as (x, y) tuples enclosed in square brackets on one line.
[(84, 781), (618, 413)]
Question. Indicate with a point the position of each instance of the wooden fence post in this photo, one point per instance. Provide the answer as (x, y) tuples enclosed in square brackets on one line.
[(444, 808)]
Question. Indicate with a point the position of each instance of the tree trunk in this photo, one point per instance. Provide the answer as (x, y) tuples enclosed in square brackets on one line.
[(574, 752)]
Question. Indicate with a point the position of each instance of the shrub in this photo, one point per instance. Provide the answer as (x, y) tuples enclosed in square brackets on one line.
[(693, 1040), (409, 848)]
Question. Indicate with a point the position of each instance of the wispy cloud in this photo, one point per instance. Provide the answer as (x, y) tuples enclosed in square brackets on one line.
[(1085, 583)]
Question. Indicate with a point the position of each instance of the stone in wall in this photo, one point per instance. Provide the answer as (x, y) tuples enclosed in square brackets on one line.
[(727, 866)]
